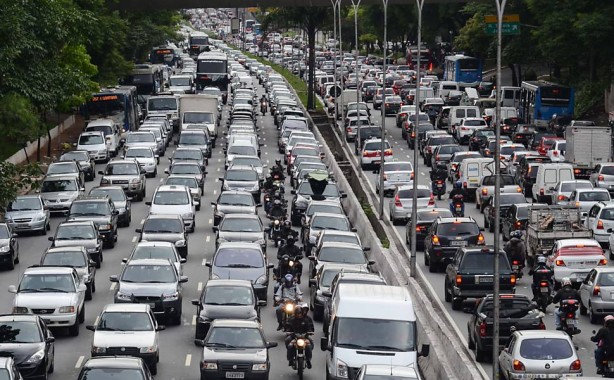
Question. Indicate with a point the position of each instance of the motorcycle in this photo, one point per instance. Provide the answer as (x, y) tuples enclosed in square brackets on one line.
[(300, 344), (439, 188), (607, 363), (263, 107), (544, 294), (517, 268), (457, 203), (275, 232), (569, 323)]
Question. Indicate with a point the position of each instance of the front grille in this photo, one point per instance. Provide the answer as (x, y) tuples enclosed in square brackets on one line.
[(147, 299), (231, 366), (43, 311), (24, 220), (120, 182), (352, 371), (132, 351)]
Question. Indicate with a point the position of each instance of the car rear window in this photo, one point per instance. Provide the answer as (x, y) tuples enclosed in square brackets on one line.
[(545, 349), (422, 193), (594, 196), (607, 214), (608, 170), (458, 229), (483, 262), (606, 279), (505, 180)]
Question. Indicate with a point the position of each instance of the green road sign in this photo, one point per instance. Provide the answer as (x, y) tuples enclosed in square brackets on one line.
[(507, 28)]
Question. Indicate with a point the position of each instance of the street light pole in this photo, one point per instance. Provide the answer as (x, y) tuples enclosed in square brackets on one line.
[(414, 207), (340, 50), (496, 306), (356, 70), (336, 3), (383, 138)]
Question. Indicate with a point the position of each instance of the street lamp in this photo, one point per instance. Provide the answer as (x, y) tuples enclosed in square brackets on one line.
[(356, 70), (340, 50), (414, 206), (383, 138), (336, 3)]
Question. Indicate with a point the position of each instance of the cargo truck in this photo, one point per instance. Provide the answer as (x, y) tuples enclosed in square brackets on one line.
[(587, 147), (200, 111)]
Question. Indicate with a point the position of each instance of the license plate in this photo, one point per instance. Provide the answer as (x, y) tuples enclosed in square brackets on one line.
[(458, 209), (235, 375), (571, 322), (22, 225), (460, 243), (611, 365), (514, 267), (486, 280), (543, 290)]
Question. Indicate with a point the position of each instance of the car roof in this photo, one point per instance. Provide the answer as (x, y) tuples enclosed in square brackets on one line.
[(244, 323), (575, 242), (241, 216), (163, 216), (60, 178), (126, 307), (114, 362), (411, 187), (227, 282), (339, 244), (49, 270), (542, 334), (329, 214), (78, 248), (91, 133), (154, 244), (18, 317), (123, 161), (171, 188), (237, 244)]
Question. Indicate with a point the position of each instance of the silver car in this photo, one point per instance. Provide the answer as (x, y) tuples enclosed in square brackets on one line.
[(66, 169), (127, 174), (188, 168), (80, 234), (321, 221), (145, 139), (157, 250), (596, 293), (563, 189), (603, 177), (28, 213), (77, 258), (191, 182), (396, 173), (243, 178), (241, 228), (168, 228), (59, 192), (400, 208), (189, 155), (233, 202), (146, 157), (253, 161), (584, 199)]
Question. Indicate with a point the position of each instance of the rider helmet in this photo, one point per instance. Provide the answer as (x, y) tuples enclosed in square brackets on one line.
[(290, 240), (458, 184), (541, 260), (287, 224), (608, 318), (278, 162), (516, 234), (299, 311), (276, 202), (566, 281), (288, 280)]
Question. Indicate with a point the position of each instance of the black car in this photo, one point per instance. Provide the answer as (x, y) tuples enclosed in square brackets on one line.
[(99, 209), (119, 199), (120, 367), (432, 142), (370, 93), (239, 349), (506, 200), (425, 218), (523, 133), (225, 299), (446, 236), (28, 340), (421, 131), (515, 220), (478, 138), (510, 125), (9, 246), (365, 133), (83, 159), (470, 275)]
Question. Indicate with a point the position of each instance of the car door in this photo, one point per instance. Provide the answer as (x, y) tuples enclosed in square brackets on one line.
[(49, 346), (80, 294), (587, 286), (591, 218), (505, 357)]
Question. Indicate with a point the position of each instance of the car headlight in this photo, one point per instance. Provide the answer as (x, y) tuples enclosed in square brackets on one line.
[(180, 243), (342, 369), (147, 350), (225, 186), (261, 280), (261, 241), (66, 309), (98, 350), (104, 181), (187, 215), (105, 227), (256, 187), (6, 248), (20, 310), (121, 210), (209, 366), (135, 181), (40, 218), (259, 367), (123, 296), (36, 357), (171, 297)]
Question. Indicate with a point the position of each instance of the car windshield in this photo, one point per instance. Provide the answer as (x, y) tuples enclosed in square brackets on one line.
[(91, 140), (235, 337), (154, 252), (327, 277), (247, 161), (122, 169), (24, 204), (89, 208), (331, 209), (116, 195), (140, 137), (483, 263), (236, 199), (185, 181), (545, 349), (125, 321), (58, 283), (139, 152), (384, 334), (458, 229), (180, 81), (512, 198), (568, 187), (241, 175), (305, 152), (228, 295), (594, 196), (449, 149), (19, 332), (186, 169), (163, 226), (243, 150), (193, 139), (75, 232), (408, 194), (330, 223), (238, 258), (75, 155), (187, 155), (70, 258), (62, 168), (522, 212), (112, 374), (171, 198), (345, 255), (241, 225), (149, 273), (54, 186)]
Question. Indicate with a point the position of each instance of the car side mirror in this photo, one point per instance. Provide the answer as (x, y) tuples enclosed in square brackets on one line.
[(270, 266), (344, 195), (481, 229), (12, 289), (114, 278), (424, 352), (81, 288), (199, 342), (91, 327), (166, 171), (293, 192), (124, 260), (353, 229), (115, 212), (148, 203), (183, 260), (122, 141), (609, 230), (92, 263), (51, 238), (208, 264), (160, 328), (196, 303), (14, 235), (215, 228), (371, 262), (183, 279), (143, 171), (271, 344), (100, 172)]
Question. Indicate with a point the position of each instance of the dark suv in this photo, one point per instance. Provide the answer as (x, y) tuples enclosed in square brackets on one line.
[(99, 209), (365, 133), (445, 236)]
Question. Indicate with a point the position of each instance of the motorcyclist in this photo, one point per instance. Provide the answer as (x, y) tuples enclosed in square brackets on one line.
[(540, 272), (268, 184), (278, 170), (287, 231), (263, 104), (292, 251), (457, 190), (439, 172), (515, 248), (300, 324), (605, 342), (566, 293), (288, 291), (277, 210)]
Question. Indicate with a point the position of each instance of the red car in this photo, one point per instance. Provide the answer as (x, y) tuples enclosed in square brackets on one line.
[(546, 144)]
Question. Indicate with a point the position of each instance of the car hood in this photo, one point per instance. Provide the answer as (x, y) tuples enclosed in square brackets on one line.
[(234, 355), (170, 209), (124, 338), (20, 351), (240, 236), (249, 274), (241, 184), (23, 214), (89, 243), (59, 195), (169, 237), (228, 312), (148, 144), (121, 177), (46, 300), (229, 209), (97, 219), (146, 289)]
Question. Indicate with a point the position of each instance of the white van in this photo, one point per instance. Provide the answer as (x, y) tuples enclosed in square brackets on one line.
[(445, 87), (548, 175), (472, 170), (386, 313), (460, 112), (111, 131), (510, 96)]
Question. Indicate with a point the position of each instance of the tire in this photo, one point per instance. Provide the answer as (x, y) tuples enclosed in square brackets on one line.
[(583, 309), (300, 363), (447, 295), (432, 267), (88, 293), (480, 355), (111, 243), (81, 317), (594, 319), (94, 286), (153, 369), (11, 264), (74, 329), (457, 303), (175, 320), (426, 259)]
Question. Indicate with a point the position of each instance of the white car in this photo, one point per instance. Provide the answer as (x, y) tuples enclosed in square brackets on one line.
[(557, 151), (584, 199), (563, 189), (174, 200), (57, 290), (146, 158), (371, 152), (574, 258), (600, 220), (467, 126), (95, 144), (111, 131)]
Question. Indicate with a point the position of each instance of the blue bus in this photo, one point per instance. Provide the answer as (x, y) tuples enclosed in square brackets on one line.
[(540, 100), (117, 103), (466, 71)]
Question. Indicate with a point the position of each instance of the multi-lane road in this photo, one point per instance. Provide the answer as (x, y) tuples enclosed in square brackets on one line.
[(179, 357)]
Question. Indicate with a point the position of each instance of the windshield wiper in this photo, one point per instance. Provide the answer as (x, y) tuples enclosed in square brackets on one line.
[(154, 282), (53, 290), (240, 266), (382, 347), (211, 344), (350, 345), (29, 291)]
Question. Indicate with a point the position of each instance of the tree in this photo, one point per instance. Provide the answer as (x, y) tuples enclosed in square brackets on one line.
[(15, 178)]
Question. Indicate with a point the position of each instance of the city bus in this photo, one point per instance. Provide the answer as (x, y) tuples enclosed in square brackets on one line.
[(540, 100), (464, 70), (197, 42), (147, 78), (164, 55), (212, 71), (117, 103)]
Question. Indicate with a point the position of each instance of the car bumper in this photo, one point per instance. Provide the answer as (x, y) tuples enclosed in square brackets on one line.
[(479, 293), (36, 370), (601, 238), (107, 235), (28, 226), (442, 254), (541, 376), (96, 156), (149, 358), (58, 206), (59, 320), (149, 169), (373, 160), (159, 308), (131, 189), (261, 291), (221, 374), (575, 275)]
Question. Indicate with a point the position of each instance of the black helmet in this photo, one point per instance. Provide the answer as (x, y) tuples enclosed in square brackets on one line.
[(299, 311), (278, 162), (290, 240), (287, 224)]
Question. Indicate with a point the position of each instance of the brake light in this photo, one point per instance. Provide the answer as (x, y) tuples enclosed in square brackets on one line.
[(413, 134), (519, 190), (596, 290), (515, 262), (459, 279), (600, 178), (464, 129), (518, 224), (513, 280), (465, 184), (483, 329), (348, 129), (576, 365), (543, 284), (397, 201), (518, 366), (418, 229), (577, 204), (435, 240), (570, 315), (576, 171), (481, 239), (562, 197), (559, 263), (603, 262), (487, 151), (385, 177), (600, 224), (484, 191), (388, 152), (555, 152)]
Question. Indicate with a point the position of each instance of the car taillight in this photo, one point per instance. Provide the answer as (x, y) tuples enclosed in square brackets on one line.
[(459, 279), (464, 129), (576, 365), (481, 239), (562, 197), (541, 191), (555, 152), (596, 290), (518, 224), (603, 262), (515, 262), (435, 240), (348, 129), (465, 184), (559, 263), (397, 201), (484, 191), (576, 171), (385, 177), (600, 224), (513, 280), (518, 366), (388, 152), (483, 329), (541, 326), (413, 134), (543, 284), (600, 178), (519, 190), (437, 158), (432, 200)]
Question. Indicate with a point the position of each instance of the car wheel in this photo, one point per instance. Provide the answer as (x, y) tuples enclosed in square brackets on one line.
[(81, 317), (48, 227), (457, 303), (11, 264), (432, 267), (447, 292), (74, 329), (93, 286), (318, 313), (88, 293), (153, 369), (470, 342)]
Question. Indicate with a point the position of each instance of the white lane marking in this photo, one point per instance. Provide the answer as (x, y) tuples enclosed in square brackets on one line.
[(142, 221), (219, 169), (194, 320), (401, 149), (264, 146), (161, 180), (208, 239), (266, 152), (214, 192), (204, 262), (219, 160), (422, 173), (408, 156), (134, 239), (200, 286), (210, 221), (79, 361), (188, 360), (113, 286)]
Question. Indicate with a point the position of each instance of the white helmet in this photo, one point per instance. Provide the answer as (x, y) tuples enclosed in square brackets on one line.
[(541, 260), (566, 281)]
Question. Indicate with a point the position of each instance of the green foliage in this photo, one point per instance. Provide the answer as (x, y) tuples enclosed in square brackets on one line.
[(18, 120), (14, 179)]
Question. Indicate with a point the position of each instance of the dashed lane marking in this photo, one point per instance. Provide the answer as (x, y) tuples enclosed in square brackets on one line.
[(142, 221), (208, 239), (134, 239), (210, 221), (188, 360), (113, 286), (200, 286), (79, 361), (204, 262)]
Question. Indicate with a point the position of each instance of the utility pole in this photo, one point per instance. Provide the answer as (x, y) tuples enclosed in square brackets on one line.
[(357, 70), (383, 138)]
